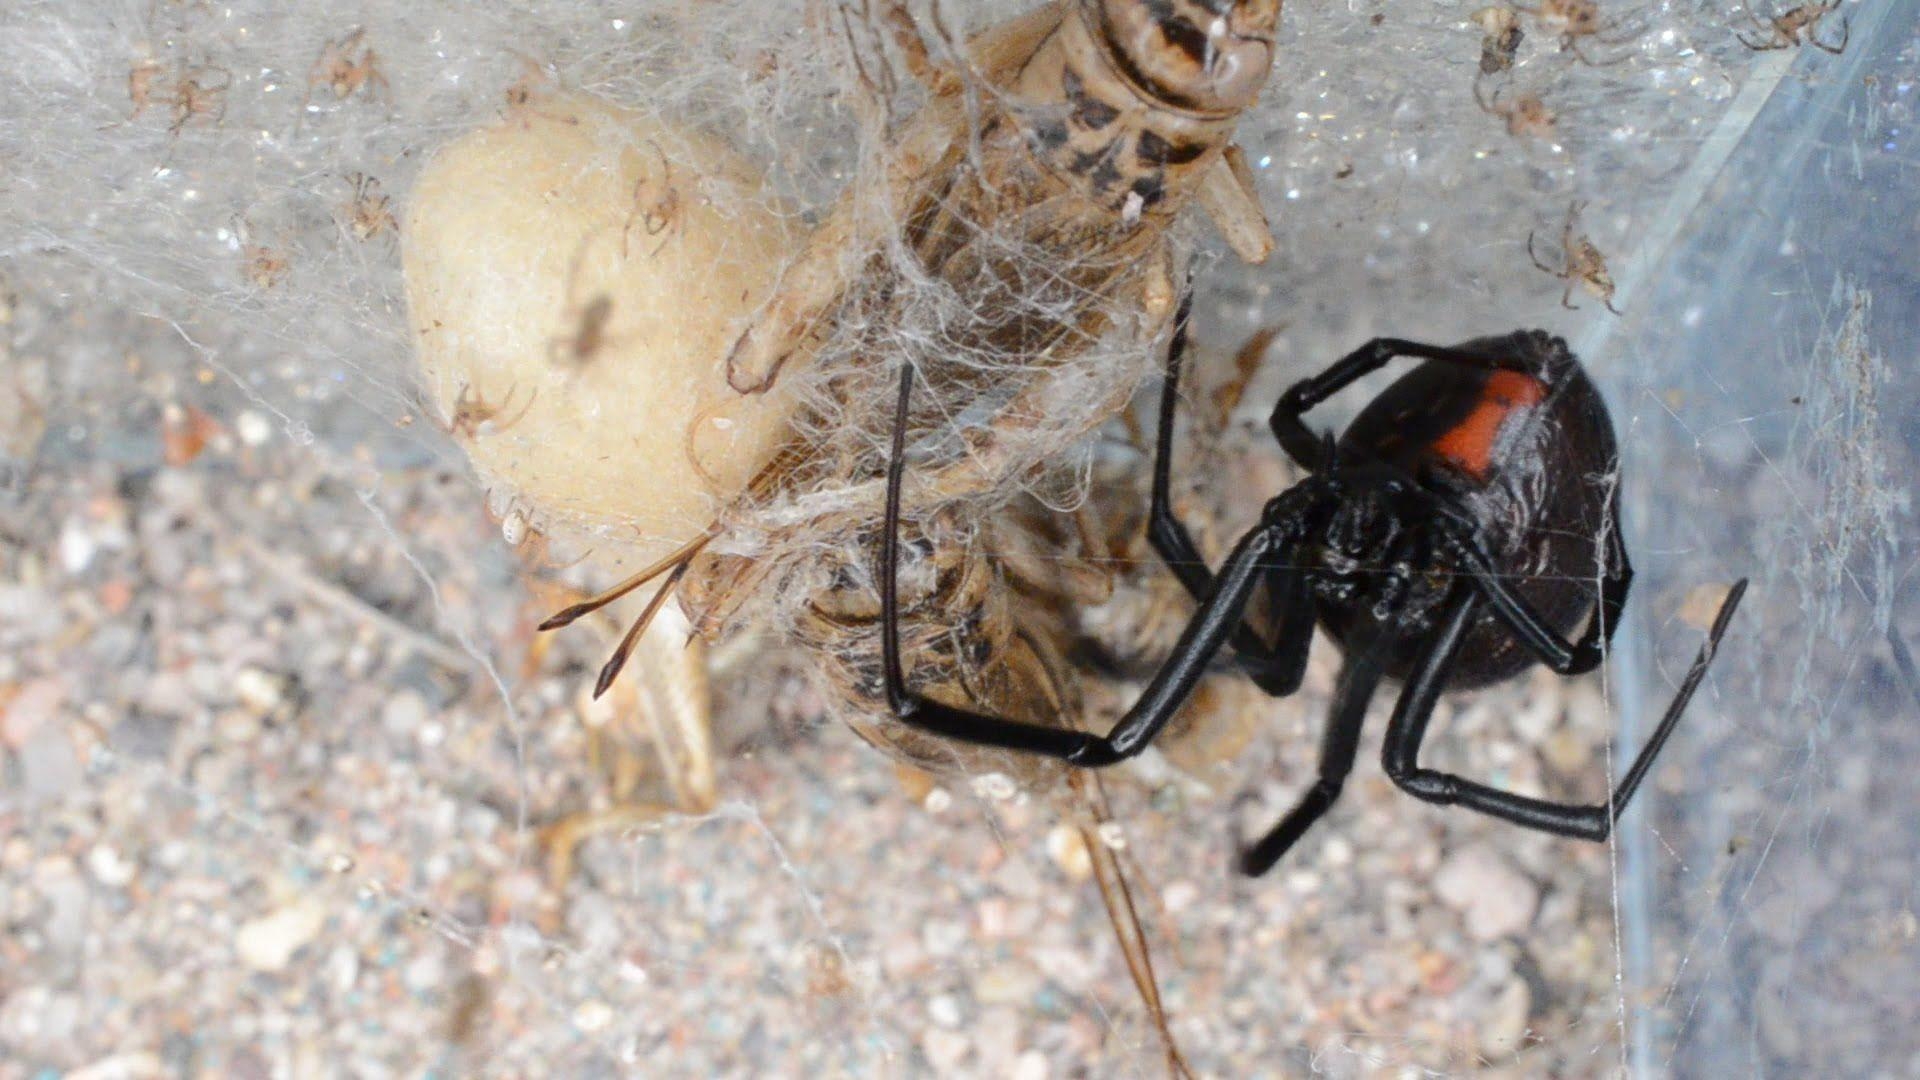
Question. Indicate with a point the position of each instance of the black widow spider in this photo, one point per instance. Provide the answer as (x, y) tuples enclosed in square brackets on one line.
[(1447, 540)]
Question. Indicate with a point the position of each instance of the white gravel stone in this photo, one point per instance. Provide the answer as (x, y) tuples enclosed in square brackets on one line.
[(109, 867), (1504, 1023), (1495, 899), (945, 1050), (944, 1010), (269, 942)]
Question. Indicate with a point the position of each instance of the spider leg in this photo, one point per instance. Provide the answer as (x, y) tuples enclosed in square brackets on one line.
[(1772, 38), (1542, 267), (1205, 634), (1572, 45), (1532, 631), (1276, 669), (1408, 730), (1846, 33), (1338, 746), (1310, 450)]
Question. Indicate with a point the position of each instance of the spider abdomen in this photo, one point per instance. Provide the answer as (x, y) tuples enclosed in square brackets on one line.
[(1526, 452)]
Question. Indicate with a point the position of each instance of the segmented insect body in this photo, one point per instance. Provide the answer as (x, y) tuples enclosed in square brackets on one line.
[(1037, 187)]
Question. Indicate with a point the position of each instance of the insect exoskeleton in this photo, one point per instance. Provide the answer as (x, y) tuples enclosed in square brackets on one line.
[(1147, 95), (1041, 236), (1098, 122)]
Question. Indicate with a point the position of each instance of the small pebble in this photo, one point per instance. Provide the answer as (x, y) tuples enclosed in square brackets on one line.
[(994, 916), (424, 972), (903, 957), (1537, 711), (944, 1010), (1068, 850), (66, 898), (1503, 1024), (1007, 983), (1495, 899), (269, 942), (260, 691), (139, 1065), (343, 968), (943, 937), (48, 763), (236, 726), (592, 1016), (1032, 1065), (404, 713), (945, 1050), (29, 710), (997, 787), (1567, 752), (109, 867), (253, 428)]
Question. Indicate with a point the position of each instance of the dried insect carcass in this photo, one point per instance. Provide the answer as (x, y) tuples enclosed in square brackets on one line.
[(1501, 37), (1012, 242), (369, 211), (1015, 247), (1799, 26), (1098, 121)]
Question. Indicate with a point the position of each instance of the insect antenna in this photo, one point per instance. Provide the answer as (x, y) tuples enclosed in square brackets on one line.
[(619, 658), (1638, 770), (1117, 895), (587, 607)]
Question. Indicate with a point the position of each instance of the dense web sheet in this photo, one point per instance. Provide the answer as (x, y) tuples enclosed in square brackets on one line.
[(279, 746)]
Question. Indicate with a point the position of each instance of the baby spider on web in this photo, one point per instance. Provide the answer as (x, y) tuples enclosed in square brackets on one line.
[(266, 266), (1526, 115), (141, 78), (1580, 263), (534, 83), (1800, 26), (1574, 21), (264, 263), (346, 72), (472, 412), (370, 213), (525, 535), (194, 98), (656, 206)]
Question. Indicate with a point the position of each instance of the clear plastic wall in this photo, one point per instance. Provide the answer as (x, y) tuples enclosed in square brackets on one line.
[(280, 752)]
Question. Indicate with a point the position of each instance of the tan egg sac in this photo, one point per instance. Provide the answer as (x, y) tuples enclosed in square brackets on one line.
[(575, 273)]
